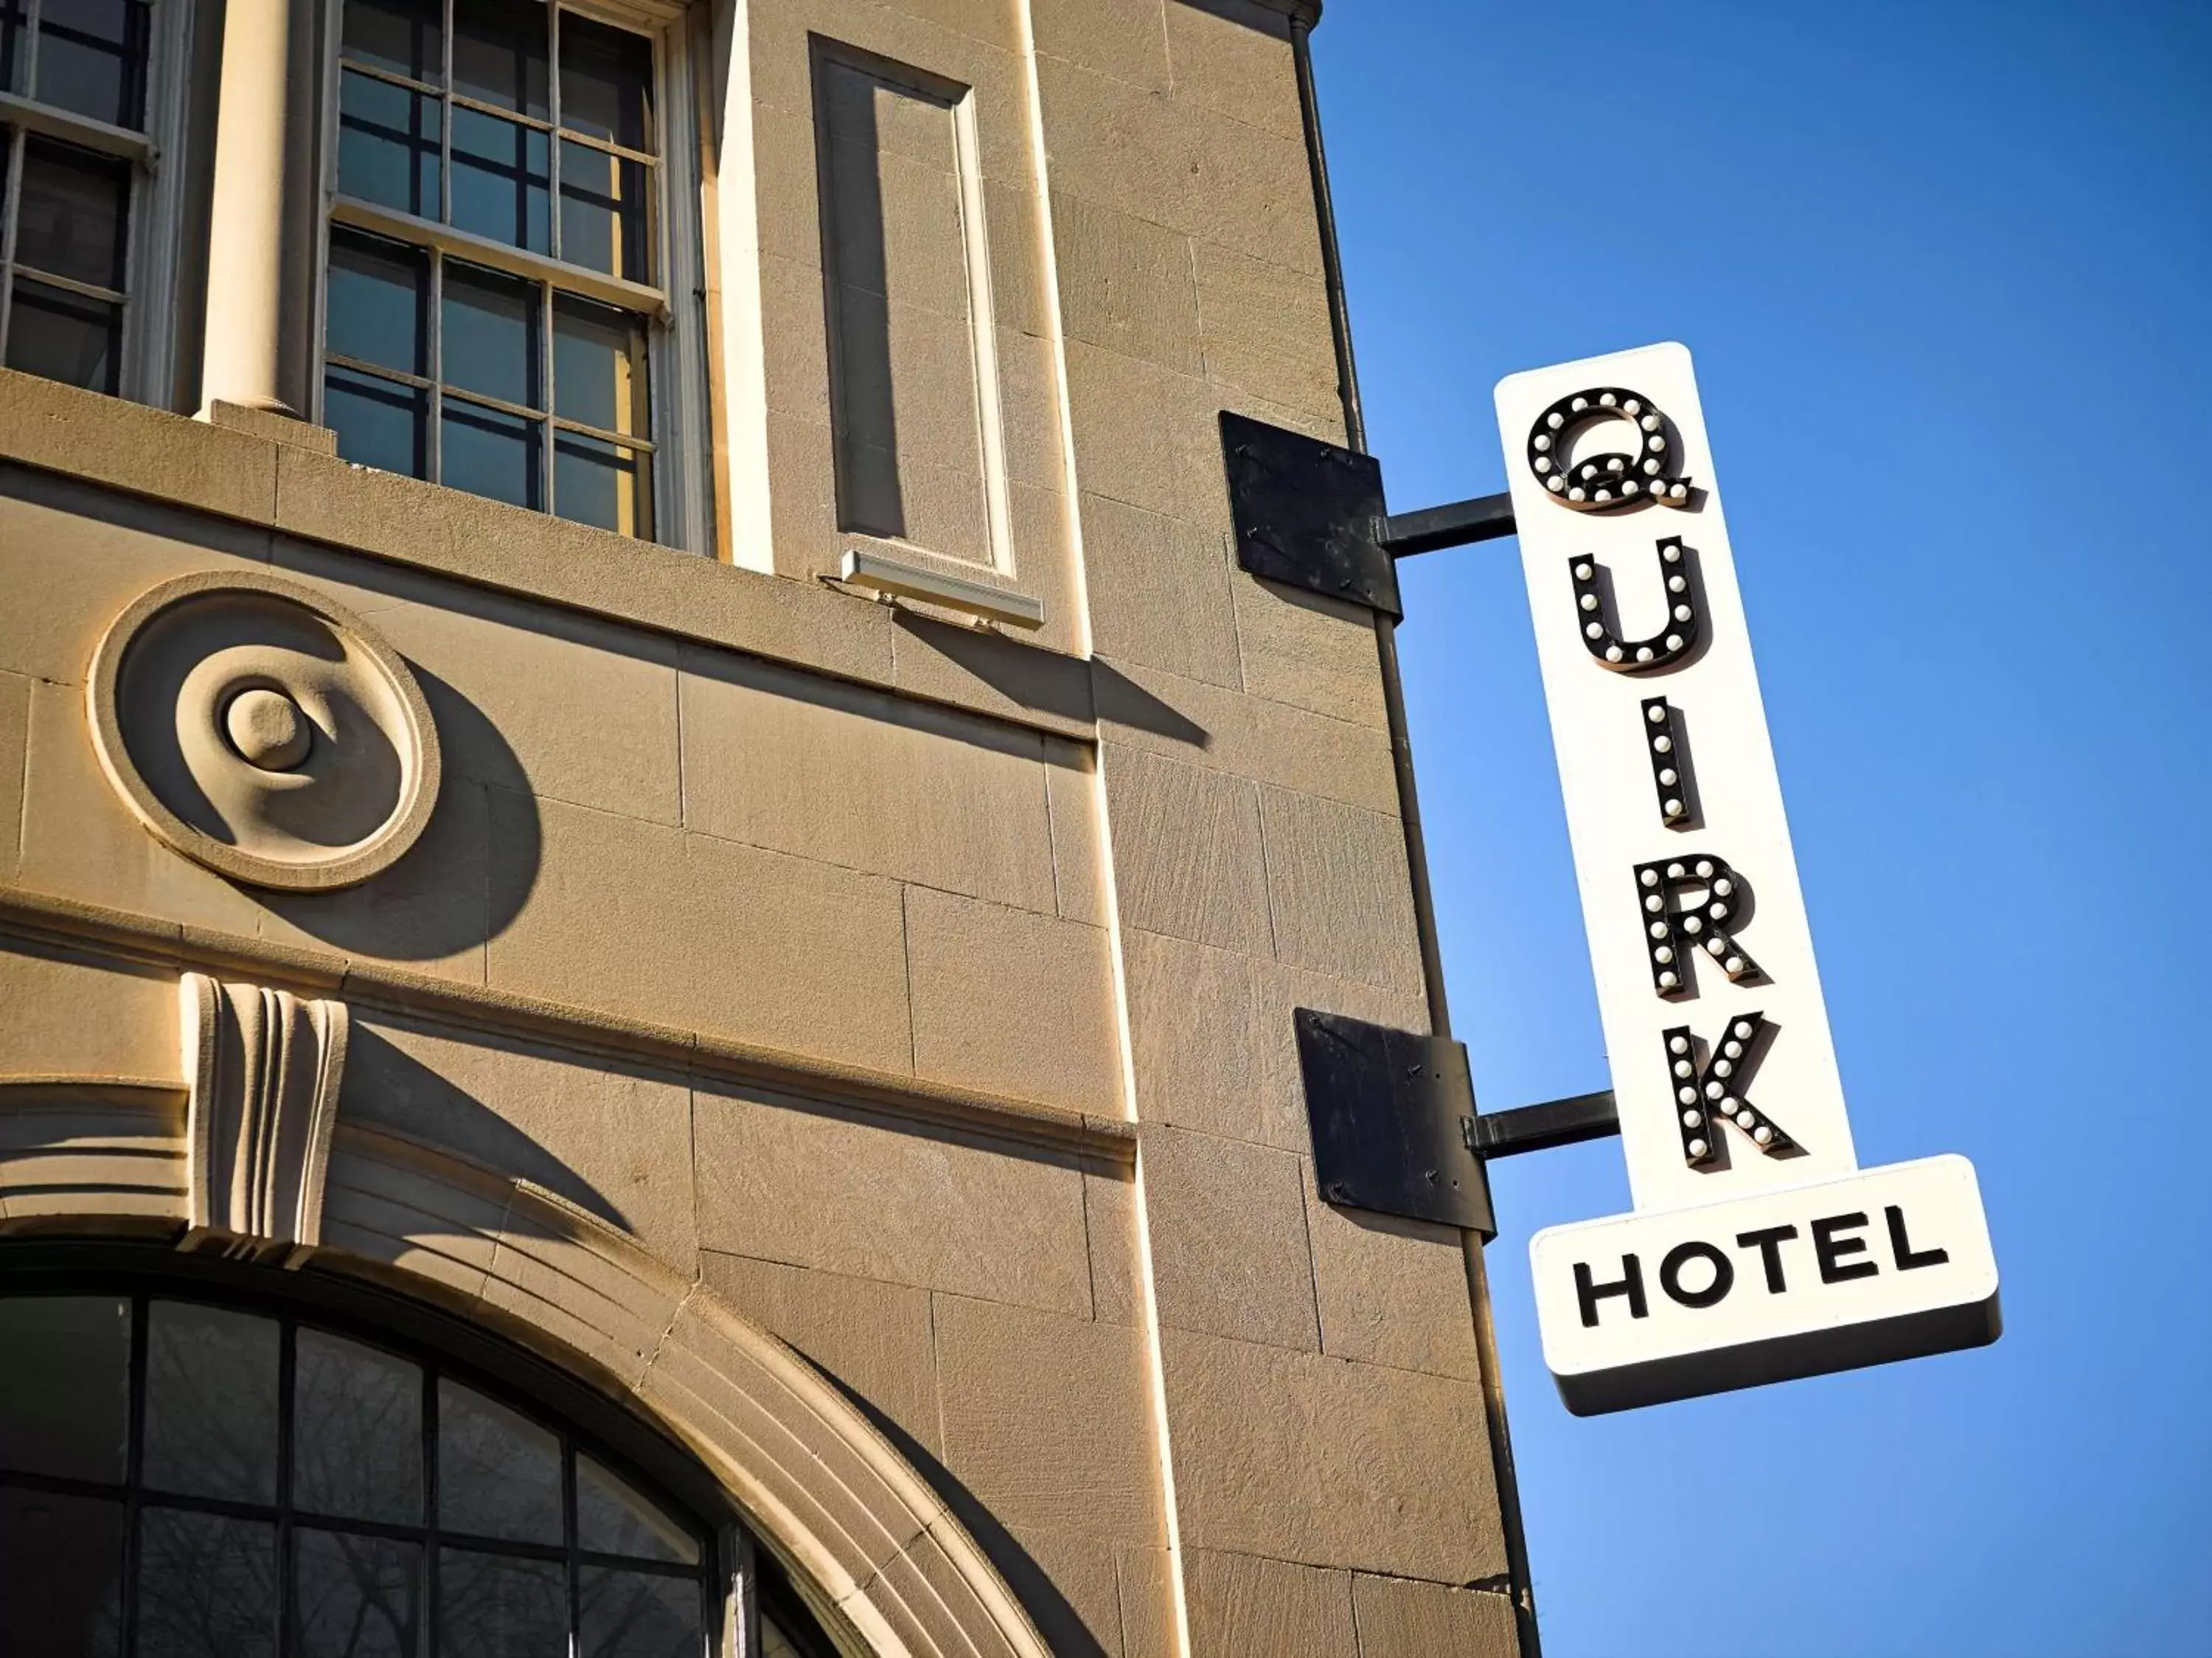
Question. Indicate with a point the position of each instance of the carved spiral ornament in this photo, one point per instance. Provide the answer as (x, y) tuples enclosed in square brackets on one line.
[(263, 731)]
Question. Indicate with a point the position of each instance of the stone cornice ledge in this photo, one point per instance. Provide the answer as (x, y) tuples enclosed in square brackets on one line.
[(182, 946), (248, 478)]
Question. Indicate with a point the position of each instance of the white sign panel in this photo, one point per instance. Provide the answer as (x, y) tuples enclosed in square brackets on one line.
[(1731, 1107)]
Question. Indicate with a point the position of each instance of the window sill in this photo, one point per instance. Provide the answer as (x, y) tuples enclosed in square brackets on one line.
[(240, 475)]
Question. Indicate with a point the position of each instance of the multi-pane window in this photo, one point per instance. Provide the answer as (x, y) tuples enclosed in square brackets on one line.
[(497, 300), (73, 110), (185, 1479)]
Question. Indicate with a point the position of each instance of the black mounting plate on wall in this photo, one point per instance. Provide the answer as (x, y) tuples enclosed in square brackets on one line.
[(1391, 1114), (1395, 1129), (1307, 514)]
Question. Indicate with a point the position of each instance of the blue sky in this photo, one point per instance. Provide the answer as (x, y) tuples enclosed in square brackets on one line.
[(1961, 255)]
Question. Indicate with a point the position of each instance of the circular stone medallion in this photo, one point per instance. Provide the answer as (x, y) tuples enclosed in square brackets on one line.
[(263, 731)]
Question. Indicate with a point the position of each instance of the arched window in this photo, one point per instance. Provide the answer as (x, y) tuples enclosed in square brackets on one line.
[(191, 1470)]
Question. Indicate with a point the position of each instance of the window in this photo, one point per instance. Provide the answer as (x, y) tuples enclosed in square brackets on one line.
[(184, 1479), (510, 296), (85, 246)]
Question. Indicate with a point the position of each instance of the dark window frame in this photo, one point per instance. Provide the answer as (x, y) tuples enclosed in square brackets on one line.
[(585, 1421), (669, 488)]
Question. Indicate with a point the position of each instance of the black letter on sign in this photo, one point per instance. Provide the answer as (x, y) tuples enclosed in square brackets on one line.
[(1629, 1283), (1713, 1093), (1768, 1241), (1674, 931), (1675, 639), (1829, 1249), (1605, 483), (1670, 1274), (1670, 762), (1900, 1246)]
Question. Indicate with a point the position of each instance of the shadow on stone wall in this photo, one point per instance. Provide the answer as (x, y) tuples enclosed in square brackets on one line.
[(390, 1089), (1062, 1627), (460, 884)]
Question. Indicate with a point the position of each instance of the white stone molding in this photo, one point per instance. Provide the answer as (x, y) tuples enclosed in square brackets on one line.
[(262, 209), (257, 728), (262, 1069)]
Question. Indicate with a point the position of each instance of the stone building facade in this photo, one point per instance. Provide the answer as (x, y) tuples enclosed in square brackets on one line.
[(633, 763)]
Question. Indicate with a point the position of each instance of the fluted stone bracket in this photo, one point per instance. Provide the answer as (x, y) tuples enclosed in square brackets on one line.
[(262, 1069)]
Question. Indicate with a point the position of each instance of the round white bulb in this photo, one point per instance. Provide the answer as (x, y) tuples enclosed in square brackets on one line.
[(1723, 887), (1714, 1090), (1705, 869), (1656, 714), (1554, 484), (1762, 1134), (1542, 444), (1663, 743), (1663, 954), (1668, 981), (1743, 1030), (1658, 930), (1683, 1068), (1554, 422), (1606, 399), (1691, 924), (1613, 653), (1649, 878), (1683, 612), (1667, 777), (1651, 467), (1676, 584), (1678, 1044), (1655, 442), (1583, 572), (1674, 872), (1616, 463), (1721, 1068), (1631, 406), (1733, 1049), (1543, 464), (1672, 808), (1716, 911), (1693, 1118), (1745, 1120), (1734, 963), (1687, 1096), (1698, 1148), (1631, 487), (1673, 642), (1589, 601), (1672, 555), (1651, 423), (1594, 631), (1579, 404), (1655, 904), (1677, 493), (1575, 494), (1602, 495)]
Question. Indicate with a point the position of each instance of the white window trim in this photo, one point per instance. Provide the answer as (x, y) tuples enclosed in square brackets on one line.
[(675, 313)]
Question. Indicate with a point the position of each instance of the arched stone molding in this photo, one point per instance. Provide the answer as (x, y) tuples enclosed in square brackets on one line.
[(865, 1534)]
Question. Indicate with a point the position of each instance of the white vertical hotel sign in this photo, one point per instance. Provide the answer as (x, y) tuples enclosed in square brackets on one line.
[(1759, 1249)]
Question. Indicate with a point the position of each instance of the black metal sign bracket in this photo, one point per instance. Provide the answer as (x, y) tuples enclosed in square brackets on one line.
[(1395, 1124), (1310, 514)]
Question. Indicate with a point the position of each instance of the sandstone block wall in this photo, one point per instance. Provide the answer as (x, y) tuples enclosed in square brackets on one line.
[(920, 993)]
